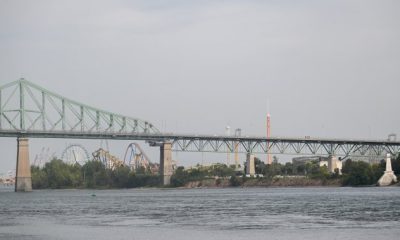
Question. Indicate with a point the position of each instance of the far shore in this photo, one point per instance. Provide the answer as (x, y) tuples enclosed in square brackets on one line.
[(249, 183)]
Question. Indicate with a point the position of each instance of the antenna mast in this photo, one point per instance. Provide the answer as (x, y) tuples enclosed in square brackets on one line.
[(269, 160)]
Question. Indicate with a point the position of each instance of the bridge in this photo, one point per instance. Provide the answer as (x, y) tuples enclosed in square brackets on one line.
[(30, 111)]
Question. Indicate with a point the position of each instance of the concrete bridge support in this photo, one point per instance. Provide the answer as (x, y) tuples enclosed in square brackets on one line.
[(334, 163), (166, 163), (250, 165), (23, 180), (388, 177)]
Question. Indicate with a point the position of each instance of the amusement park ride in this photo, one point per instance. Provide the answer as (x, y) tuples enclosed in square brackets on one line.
[(134, 158)]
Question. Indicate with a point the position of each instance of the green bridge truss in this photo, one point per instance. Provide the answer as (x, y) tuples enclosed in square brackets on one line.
[(27, 107)]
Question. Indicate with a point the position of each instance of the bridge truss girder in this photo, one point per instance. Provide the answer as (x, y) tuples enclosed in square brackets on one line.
[(28, 110), (288, 146), (25, 106), (261, 145)]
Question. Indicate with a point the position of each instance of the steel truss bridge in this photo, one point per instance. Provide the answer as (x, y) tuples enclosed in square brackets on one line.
[(27, 107), (28, 110), (224, 144)]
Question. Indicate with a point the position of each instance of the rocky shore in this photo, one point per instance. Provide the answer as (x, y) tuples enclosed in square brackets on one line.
[(263, 182)]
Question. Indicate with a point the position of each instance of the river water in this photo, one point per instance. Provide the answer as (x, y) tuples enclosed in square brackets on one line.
[(231, 213)]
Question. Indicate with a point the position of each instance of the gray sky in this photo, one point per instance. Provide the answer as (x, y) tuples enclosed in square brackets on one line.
[(327, 68)]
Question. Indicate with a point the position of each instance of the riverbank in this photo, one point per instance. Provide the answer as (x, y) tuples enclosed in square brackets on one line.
[(290, 181), (95, 175)]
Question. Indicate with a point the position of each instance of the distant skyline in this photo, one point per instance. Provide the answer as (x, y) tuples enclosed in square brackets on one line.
[(327, 68)]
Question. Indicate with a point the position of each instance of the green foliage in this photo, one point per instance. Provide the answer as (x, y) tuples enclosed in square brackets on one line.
[(357, 173), (288, 169), (143, 180), (95, 175), (39, 178), (182, 176), (221, 170), (234, 181), (259, 166), (120, 177), (57, 174), (273, 169), (61, 175), (317, 172), (396, 165), (354, 173), (300, 170), (377, 171)]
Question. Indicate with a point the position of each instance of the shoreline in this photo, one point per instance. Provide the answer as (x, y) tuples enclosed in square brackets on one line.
[(217, 183), (208, 187)]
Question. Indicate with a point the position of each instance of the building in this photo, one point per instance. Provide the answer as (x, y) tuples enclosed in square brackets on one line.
[(298, 161)]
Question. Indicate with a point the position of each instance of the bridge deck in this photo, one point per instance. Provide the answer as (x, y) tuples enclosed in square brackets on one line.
[(212, 143)]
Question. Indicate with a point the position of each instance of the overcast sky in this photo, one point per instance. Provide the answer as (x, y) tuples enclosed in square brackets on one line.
[(327, 68)]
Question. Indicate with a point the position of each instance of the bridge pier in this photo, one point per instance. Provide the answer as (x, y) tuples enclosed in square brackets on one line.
[(250, 166), (166, 163), (388, 177), (334, 163), (23, 180)]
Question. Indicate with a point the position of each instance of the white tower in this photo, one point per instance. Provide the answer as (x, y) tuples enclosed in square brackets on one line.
[(228, 155), (388, 177), (269, 159)]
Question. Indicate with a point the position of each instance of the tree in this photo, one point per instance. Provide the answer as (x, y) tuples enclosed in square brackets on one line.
[(300, 169), (259, 166), (179, 178), (220, 170), (234, 181), (143, 180), (120, 176), (396, 165), (288, 169), (356, 173), (273, 169), (275, 159), (315, 171), (95, 174), (39, 178), (61, 175)]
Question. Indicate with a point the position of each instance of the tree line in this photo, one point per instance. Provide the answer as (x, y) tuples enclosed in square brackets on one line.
[(354, 173), (94, 174)]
